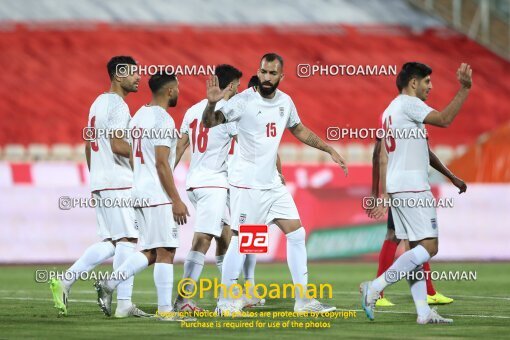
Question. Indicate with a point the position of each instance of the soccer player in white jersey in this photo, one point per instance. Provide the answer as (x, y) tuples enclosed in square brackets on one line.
[(257, 195), (407, 178), (110, 177), (206, 181), (153, 153)]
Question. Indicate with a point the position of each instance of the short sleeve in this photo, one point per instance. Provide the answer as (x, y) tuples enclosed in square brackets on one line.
[(234, 108), (165, 127), (231, 129), (185, 123), (119, 116), (416, 109), (293, 117)]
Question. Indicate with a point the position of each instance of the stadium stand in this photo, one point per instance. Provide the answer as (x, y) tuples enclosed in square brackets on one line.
[(54, 67)]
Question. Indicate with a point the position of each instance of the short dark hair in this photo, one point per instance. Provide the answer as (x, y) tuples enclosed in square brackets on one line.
[(254, 81), (118, 60), (226, 74), (412, 70), (158, 80), (272, 57)]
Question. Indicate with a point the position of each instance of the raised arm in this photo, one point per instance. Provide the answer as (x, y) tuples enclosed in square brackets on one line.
[(446, 117), (179, 209), (306, 136), (212, 117), (436, 163)]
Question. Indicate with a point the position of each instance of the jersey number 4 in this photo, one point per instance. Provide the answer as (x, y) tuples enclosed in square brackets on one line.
[(201, 139), (137, 145)]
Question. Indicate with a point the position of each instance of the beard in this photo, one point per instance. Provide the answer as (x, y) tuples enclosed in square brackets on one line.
[(172, 102), (130, 88), (267, 91)]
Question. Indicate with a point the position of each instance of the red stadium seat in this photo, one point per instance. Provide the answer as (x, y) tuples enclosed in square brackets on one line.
[(51, 76)]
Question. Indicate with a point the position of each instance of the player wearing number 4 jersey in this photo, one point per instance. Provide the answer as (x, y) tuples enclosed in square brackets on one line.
[(206, 182), (153, 180), (110, 177), (407, 178), (257, 193)]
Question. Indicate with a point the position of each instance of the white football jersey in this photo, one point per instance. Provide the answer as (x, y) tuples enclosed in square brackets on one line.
[(407, 146), (146, 183), (108, 170), (209, 148), (260, 126)]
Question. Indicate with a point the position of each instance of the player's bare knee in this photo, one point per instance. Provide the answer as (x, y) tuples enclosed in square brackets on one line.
[(201, 242), (165, 255)]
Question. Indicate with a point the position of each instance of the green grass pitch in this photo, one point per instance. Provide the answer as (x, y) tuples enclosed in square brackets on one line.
[(481, 307)]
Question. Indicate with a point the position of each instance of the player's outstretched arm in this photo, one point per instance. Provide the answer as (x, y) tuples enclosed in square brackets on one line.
[(179, 209), (436, 163), (445, 118), (212, 117), (87, 153), (182, 145), (306, 136)]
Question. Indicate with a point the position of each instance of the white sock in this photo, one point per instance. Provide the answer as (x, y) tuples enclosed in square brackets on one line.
[(133, 265), (219, 262), (407, 262), (296, 259), (249, 270), (232, 264), (193, 266), (164, 281), (125, 289), (94, 255), (419, 292)]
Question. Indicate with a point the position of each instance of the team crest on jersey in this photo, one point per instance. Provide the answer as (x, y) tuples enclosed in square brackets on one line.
[(434, 223), (242, 218), (174, 232), (282, 111), (136, 224)]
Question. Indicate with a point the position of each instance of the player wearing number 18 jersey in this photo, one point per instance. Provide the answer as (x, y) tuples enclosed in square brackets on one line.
[(407, 178), (257, 193), (206, 181)]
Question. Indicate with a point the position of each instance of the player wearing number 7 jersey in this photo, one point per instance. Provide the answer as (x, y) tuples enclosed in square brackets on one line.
[(257, 193), (206, 182), (407, 179)]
